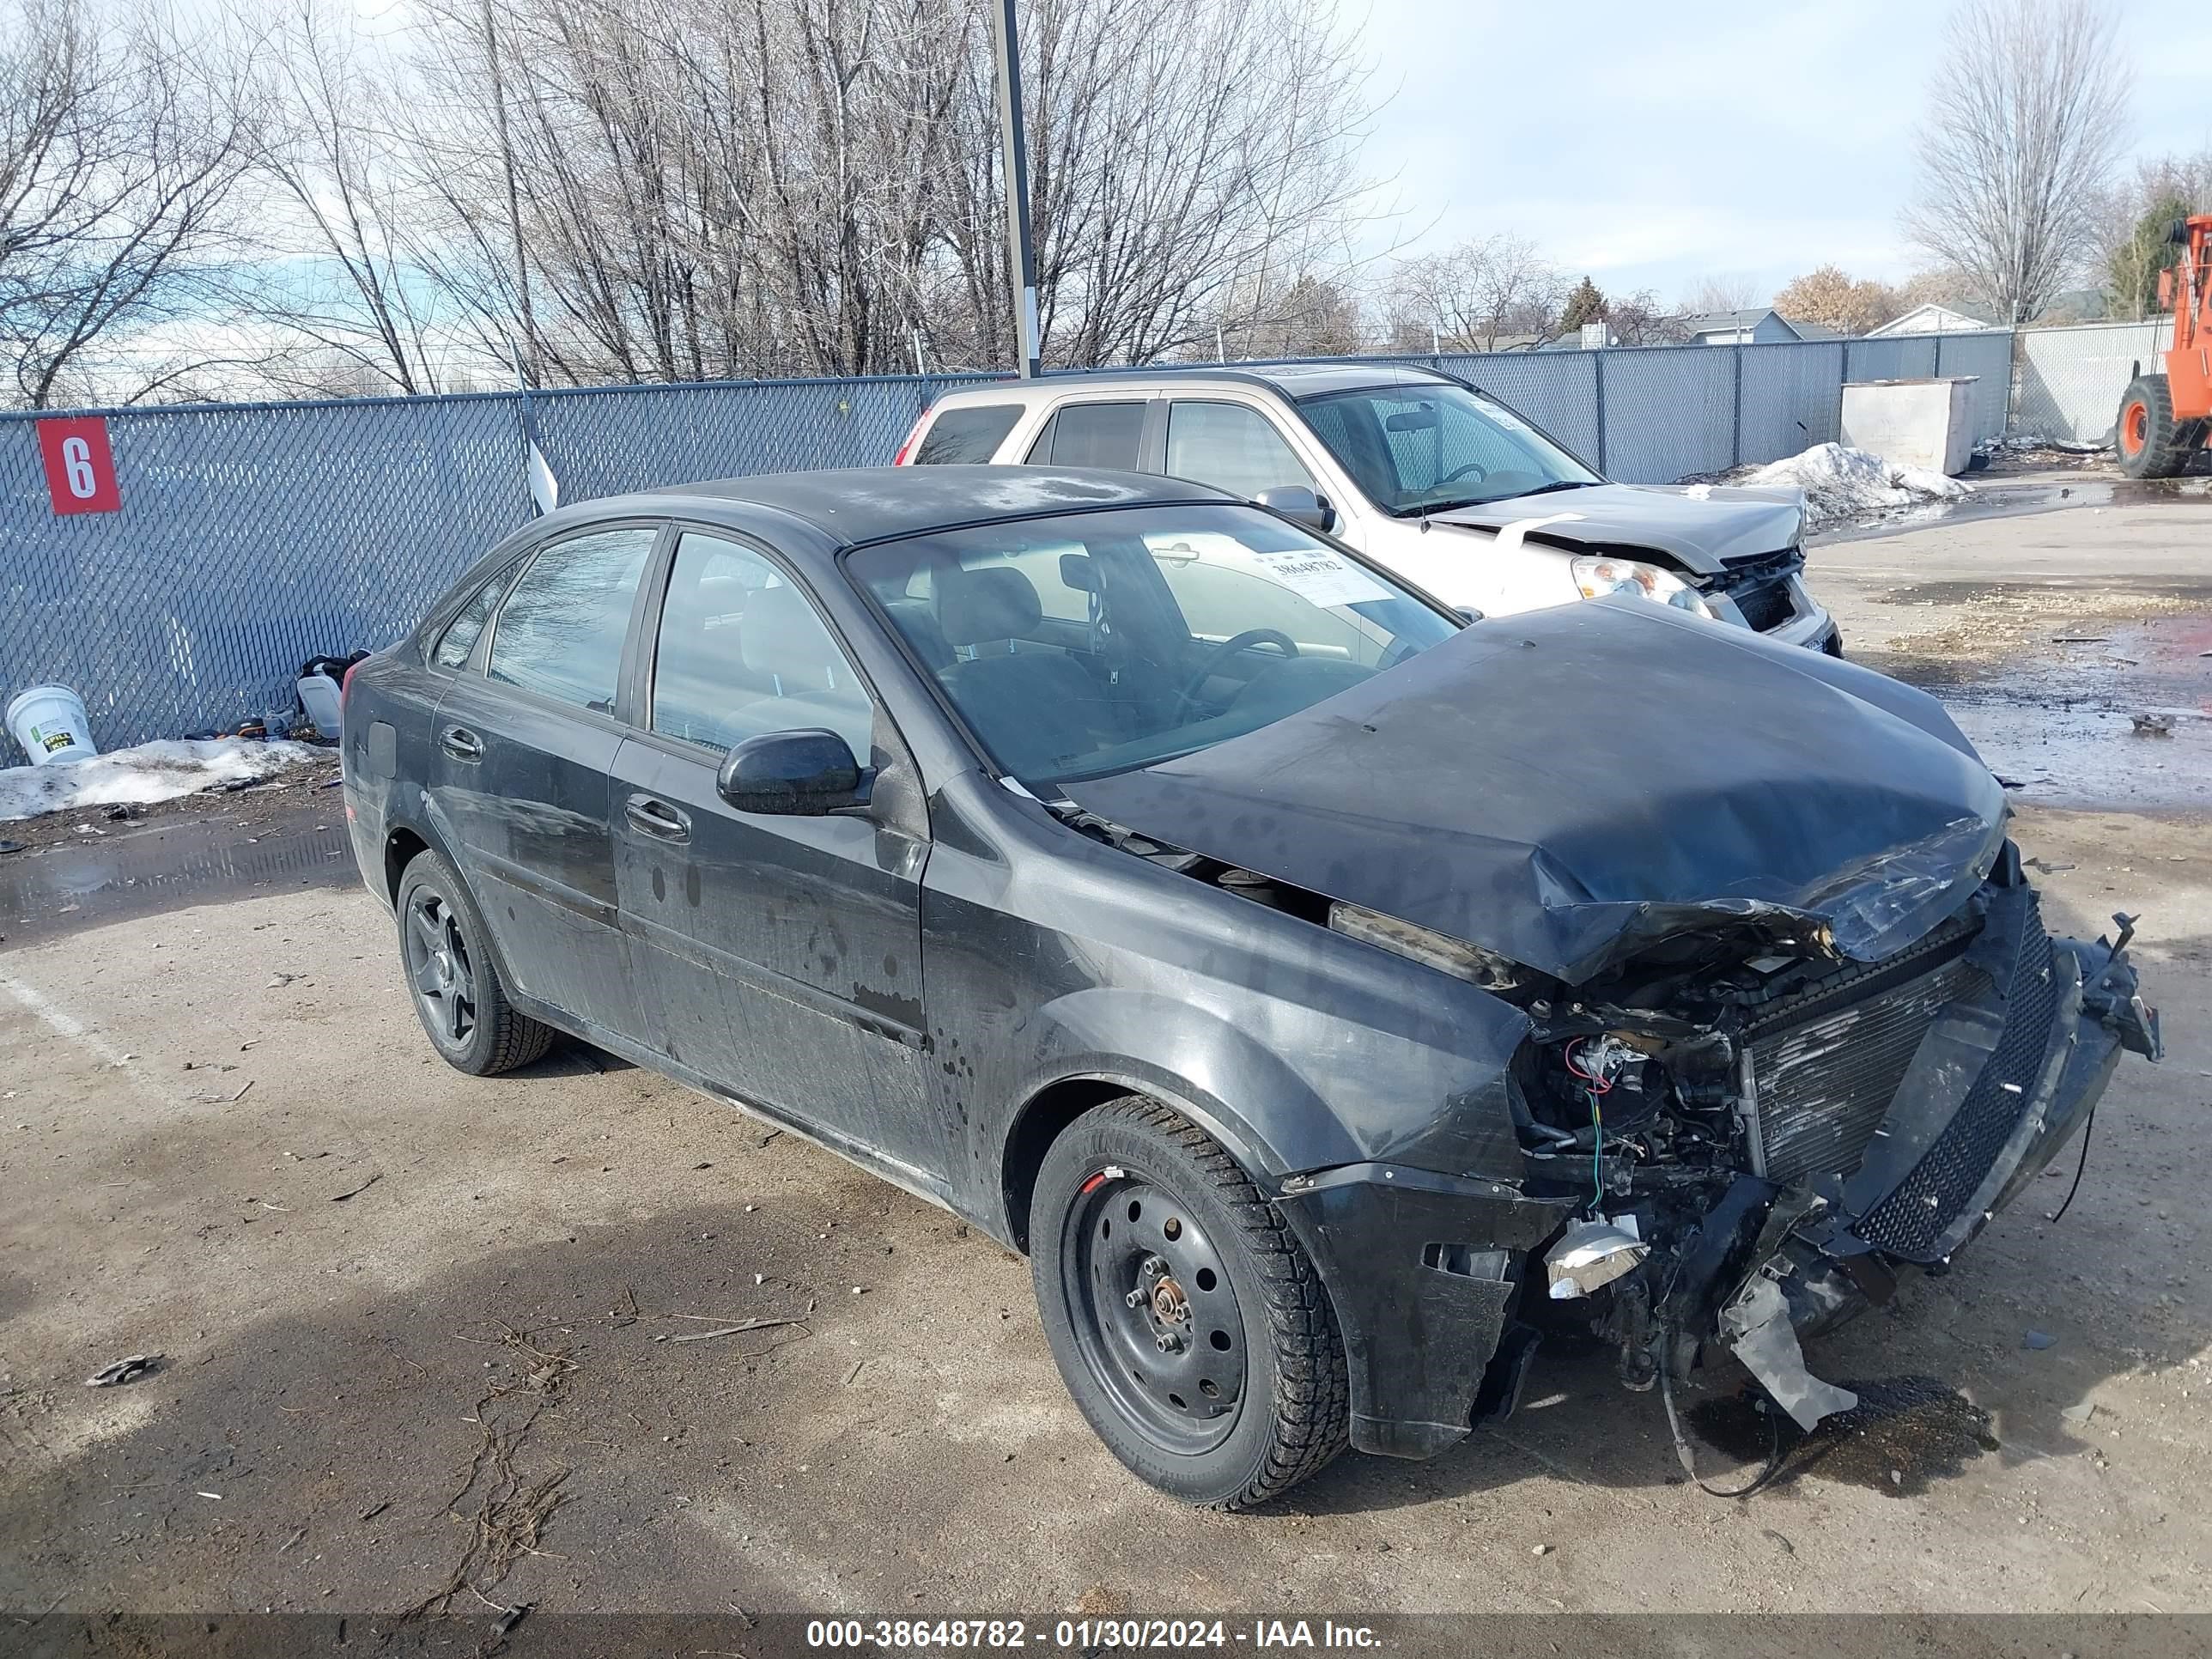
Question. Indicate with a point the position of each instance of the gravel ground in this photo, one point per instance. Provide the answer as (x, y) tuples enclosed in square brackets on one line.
[(422, 1337)]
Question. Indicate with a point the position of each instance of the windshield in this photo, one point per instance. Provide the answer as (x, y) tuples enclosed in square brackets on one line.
[(1418, 447), (1099, 642)]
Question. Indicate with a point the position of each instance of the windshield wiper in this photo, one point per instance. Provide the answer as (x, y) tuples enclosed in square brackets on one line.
[(1423, 509)]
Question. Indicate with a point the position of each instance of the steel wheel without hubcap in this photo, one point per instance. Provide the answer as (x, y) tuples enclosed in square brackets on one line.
[(1154, 1312), (1185, 1318), (438, 967)]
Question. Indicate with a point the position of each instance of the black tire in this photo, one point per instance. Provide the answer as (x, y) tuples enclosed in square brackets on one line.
[(1252, 1302), (2151, 443), (451, 978)]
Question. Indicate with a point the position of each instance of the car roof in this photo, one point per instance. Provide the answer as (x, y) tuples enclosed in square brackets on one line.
[(847, 506), (1293, 380)]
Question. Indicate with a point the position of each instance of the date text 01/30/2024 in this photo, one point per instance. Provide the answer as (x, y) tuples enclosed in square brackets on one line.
[(1088, 1635)]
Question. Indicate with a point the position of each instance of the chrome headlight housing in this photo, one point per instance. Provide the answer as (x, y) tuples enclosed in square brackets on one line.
[(1597, 576)]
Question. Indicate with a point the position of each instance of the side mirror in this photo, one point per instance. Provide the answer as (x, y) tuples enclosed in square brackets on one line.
[(1468, 613), (803, 774), (1299, 505)]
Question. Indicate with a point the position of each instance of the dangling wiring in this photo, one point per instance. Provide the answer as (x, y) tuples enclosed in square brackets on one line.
[(1596, 1084), (2087, 1130)]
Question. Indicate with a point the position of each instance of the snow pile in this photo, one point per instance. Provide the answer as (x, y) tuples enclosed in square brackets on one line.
[(151, 772), (1842, 484)]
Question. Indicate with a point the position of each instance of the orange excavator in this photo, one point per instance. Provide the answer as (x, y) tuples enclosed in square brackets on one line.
[(2165, 419)]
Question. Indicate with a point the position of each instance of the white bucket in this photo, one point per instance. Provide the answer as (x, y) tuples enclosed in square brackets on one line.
[(49, 721)]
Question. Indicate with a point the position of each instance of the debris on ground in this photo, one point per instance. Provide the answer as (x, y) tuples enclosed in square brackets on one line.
[(120, 1371), (1842, 485), (2025, 449), (735, 1330), (159, 771), (2038, 1339), (2151, 724)]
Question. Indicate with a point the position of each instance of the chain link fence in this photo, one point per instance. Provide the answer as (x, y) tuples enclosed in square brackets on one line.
[(2069, 382), (253, 537)]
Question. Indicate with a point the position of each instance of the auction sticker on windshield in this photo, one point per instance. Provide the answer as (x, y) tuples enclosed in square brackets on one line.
[(1320, 577)]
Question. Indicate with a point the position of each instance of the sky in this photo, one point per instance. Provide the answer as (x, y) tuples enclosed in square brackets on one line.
[(1653, 145)]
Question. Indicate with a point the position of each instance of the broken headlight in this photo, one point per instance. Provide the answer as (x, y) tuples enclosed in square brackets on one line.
[(1598, 577), (1468, 962)]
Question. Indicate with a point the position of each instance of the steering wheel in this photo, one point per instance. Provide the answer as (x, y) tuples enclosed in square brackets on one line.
[(1459, 473), (1228, 647)]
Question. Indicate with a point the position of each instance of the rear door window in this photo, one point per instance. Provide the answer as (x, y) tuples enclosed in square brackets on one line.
[(1231, 447), (459, 638), (967, 436), (1091, 435), (561, 634)]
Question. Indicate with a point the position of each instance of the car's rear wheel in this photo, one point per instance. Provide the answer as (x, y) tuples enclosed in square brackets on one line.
[(450, 973), (1187, 1320)]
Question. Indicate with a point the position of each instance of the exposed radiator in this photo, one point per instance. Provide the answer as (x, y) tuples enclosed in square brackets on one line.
[(1911, 1221), (1824, 1067)]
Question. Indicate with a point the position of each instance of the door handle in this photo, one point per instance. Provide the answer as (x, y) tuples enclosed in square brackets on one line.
[(657, 819), (461, 743)]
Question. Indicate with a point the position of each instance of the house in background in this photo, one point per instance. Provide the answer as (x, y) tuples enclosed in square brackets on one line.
[(1755, 325), (1938, 317)]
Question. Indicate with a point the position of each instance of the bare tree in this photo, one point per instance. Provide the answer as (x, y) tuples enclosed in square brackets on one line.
[(592, 190), (2024, 119), (336, 270), (1183, 156), (1466, 296), (1728, 290), (1312, 315), (807, 187), (121, 145), (1638, 319)]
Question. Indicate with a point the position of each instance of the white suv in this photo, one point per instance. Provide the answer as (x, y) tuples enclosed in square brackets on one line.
[(1422, 473)]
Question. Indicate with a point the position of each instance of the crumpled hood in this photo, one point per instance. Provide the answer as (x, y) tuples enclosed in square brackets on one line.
[(1697, 526), (1568, 787)]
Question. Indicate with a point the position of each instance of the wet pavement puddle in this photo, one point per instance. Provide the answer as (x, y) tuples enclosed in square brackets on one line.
[(142, 870), (1905, 1432), (1999, 498)]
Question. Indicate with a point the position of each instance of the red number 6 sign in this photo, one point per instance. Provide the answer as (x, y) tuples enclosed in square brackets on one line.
[(80, 468)]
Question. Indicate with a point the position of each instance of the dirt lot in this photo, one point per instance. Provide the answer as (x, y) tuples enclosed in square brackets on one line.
[(429, 1341)]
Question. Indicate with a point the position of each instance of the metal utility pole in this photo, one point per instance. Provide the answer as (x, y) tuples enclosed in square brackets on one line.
[(1021, 258)]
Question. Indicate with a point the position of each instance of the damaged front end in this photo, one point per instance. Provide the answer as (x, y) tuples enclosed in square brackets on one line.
[(1779, 1134), (1791, 1020)]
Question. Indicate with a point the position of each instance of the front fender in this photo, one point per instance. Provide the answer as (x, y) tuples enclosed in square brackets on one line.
[(1264, 1114)]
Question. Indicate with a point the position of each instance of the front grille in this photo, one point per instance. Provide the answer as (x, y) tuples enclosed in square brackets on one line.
[(1825, 1075), (1912, 1219), (1765, 606)]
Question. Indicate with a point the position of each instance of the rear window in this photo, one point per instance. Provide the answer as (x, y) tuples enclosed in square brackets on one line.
[(1091, 435), (460, 636), (968, 436)]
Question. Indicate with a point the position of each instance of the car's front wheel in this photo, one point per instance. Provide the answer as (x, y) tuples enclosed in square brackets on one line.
[(456, 985), (1187, 1320)]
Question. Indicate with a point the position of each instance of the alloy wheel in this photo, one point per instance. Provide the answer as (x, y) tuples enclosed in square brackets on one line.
[(438, 966)]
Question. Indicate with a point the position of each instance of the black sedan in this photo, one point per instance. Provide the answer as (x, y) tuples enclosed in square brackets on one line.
[(1327, 994)]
